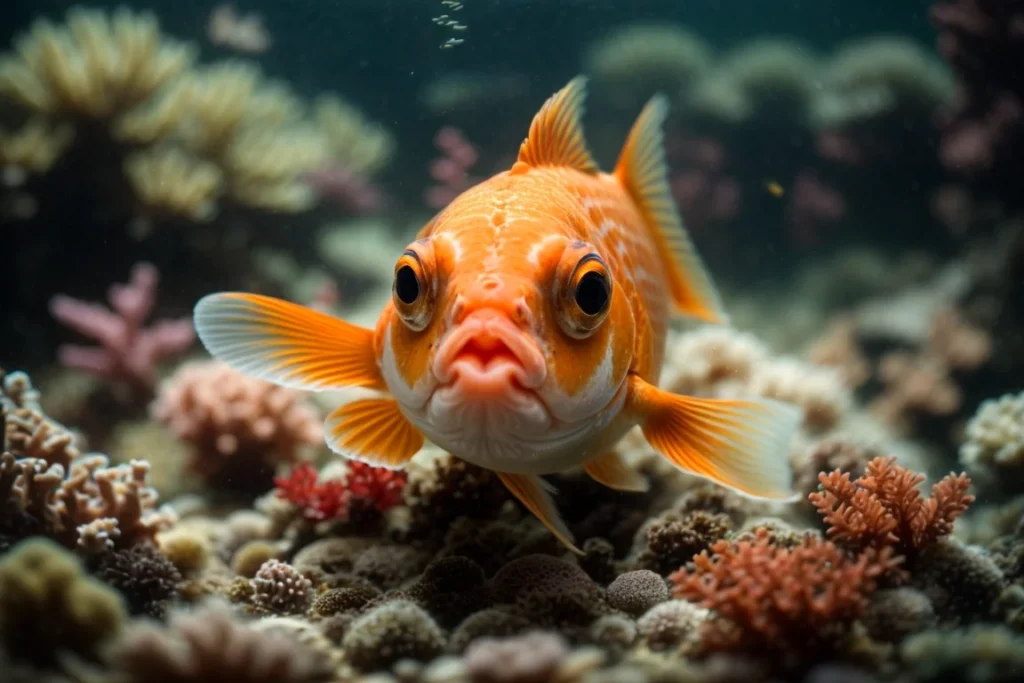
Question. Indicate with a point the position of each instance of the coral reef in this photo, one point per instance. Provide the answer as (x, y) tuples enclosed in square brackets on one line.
[(845, 199)]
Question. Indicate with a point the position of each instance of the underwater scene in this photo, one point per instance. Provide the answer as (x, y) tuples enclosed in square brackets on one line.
[(512, 341)]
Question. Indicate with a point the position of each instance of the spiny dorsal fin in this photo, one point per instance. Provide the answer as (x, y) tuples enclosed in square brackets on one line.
[(556, 137), (643, 171)]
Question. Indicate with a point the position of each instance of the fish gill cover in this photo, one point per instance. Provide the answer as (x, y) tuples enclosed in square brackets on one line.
[(848, 173)]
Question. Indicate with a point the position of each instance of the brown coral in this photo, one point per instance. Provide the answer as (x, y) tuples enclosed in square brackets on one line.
[(47, 488), (239, 427), (786, 604), (885, 509)]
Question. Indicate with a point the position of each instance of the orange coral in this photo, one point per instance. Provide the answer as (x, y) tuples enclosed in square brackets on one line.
[(885, 509), (788, 604)]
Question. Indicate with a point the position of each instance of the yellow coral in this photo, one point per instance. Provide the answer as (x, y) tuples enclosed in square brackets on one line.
[(35, 146), (169, 180), (94, 66), (360, 145)]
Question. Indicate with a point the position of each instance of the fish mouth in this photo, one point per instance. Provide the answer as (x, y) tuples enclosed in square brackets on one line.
[(488, 355)]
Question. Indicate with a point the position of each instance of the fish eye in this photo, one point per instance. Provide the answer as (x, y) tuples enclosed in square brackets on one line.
[(593, 293), (586, 294), (411, 291), (407, 285)]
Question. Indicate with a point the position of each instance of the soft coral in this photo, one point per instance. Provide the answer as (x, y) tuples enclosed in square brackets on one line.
[(885, 509), (781, 603)]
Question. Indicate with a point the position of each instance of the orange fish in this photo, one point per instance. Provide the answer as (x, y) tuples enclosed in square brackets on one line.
[(526, 330)]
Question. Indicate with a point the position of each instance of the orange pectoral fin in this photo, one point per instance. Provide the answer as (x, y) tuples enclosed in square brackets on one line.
[(286, 343), (743, 445), (532, 491), (374, 431), (610, 470)]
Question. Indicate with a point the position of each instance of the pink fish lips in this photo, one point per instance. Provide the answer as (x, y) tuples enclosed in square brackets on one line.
[(487, 356)]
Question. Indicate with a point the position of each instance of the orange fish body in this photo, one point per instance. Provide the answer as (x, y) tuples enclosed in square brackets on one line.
[(526, 331)]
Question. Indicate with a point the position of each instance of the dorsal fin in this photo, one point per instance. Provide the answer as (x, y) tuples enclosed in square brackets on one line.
[(556, 137), (643, 171)]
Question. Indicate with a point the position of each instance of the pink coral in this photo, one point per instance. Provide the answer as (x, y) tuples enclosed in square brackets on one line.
[(451, 170), (239, 427), (128, 352)]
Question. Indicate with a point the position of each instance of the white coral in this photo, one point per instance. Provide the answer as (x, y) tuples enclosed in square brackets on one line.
[(995, 435)]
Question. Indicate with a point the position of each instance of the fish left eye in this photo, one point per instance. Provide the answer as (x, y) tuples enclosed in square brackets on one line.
[(585, 295), (593, 293)]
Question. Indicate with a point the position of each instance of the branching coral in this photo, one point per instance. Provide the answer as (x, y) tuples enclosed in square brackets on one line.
[(128, 352), (357, 144), (168, 180), (884, 508), (787, 604), (47, 488), (239, 428), (96, 66), (361, 491), (192, 137)]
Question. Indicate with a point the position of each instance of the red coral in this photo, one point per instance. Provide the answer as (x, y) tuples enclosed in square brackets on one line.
[(316, 501), (364, 489), (376, 487), (885, 509), (787, 604)]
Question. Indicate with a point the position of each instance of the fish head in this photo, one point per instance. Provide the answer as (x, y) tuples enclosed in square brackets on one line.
[(512, 358)]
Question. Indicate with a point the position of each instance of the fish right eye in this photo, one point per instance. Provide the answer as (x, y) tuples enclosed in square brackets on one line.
[(407, 285)]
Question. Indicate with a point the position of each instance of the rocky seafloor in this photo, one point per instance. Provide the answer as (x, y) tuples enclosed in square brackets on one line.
[(220, 542)]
